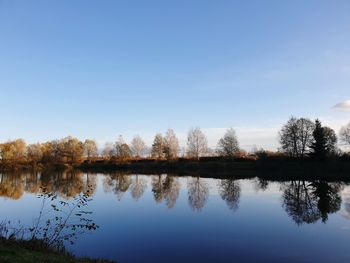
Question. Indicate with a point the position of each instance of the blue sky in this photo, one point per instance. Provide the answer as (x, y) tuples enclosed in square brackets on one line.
[(97, 69)]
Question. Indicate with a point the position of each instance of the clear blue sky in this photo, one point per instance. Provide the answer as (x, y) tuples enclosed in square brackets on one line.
[(96, 69)]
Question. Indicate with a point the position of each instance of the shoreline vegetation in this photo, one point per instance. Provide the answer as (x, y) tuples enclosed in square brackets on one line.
[(59, 222), (308, 150), (27, 251), (269, 169), (277, 168)]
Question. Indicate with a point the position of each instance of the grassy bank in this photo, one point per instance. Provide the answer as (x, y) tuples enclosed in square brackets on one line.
[(25, 252)]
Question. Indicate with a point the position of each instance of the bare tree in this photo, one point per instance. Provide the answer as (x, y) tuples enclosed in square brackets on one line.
[(345, 134), (228, 145), (296, 136), (108, 150), (90, 149), (196, 143), (331, 139), (158, 146), (171, 145), (138, 146)]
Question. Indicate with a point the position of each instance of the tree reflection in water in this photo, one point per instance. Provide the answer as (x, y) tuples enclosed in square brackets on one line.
[(304, 202), (198, 193), (307, 202), (138, 187), (346, 202), (230, 192), (118, 183), (12, 185), (157, 188), (260, 184), (166, 188), (66, 184)]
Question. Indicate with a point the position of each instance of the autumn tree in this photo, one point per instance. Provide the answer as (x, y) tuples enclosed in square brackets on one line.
[(72, 149), (13, 152), (171, 145), (196, 143), (296, 137), (53, 152), (138, 146), (228, 144), (90, 149), (34, 153), (158, 147), (122, 149)]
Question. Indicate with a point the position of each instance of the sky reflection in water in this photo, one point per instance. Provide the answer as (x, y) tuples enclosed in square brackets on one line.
[(166, 218)]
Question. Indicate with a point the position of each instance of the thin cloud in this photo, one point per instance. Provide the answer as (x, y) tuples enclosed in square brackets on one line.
[(342, 106)]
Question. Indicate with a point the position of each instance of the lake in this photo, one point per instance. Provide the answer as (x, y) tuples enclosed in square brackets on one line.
[(170, 218)]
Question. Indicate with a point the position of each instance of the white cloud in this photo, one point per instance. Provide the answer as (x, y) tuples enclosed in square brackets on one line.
[(342, 106)]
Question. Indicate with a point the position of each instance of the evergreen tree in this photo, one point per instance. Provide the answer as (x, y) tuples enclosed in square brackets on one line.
[(324, 140)]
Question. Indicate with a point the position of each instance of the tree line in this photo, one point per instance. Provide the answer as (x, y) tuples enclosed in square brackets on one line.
[(71, 150), (299, 138)]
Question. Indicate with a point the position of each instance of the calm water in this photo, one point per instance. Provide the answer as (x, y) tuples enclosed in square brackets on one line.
[(165, 218)]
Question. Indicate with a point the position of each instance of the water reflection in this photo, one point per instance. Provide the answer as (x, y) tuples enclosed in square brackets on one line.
[(138, 187), (118, 183), (346, 202), (260, 184), (198, 193), (308, 202), (12, 186), (230, 192), (220, 215), (66, 184), (167, 188), (304, 202)]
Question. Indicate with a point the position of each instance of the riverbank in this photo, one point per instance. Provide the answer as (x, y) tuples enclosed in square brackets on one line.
[(270, 169), (24, 252), (281, 169)]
